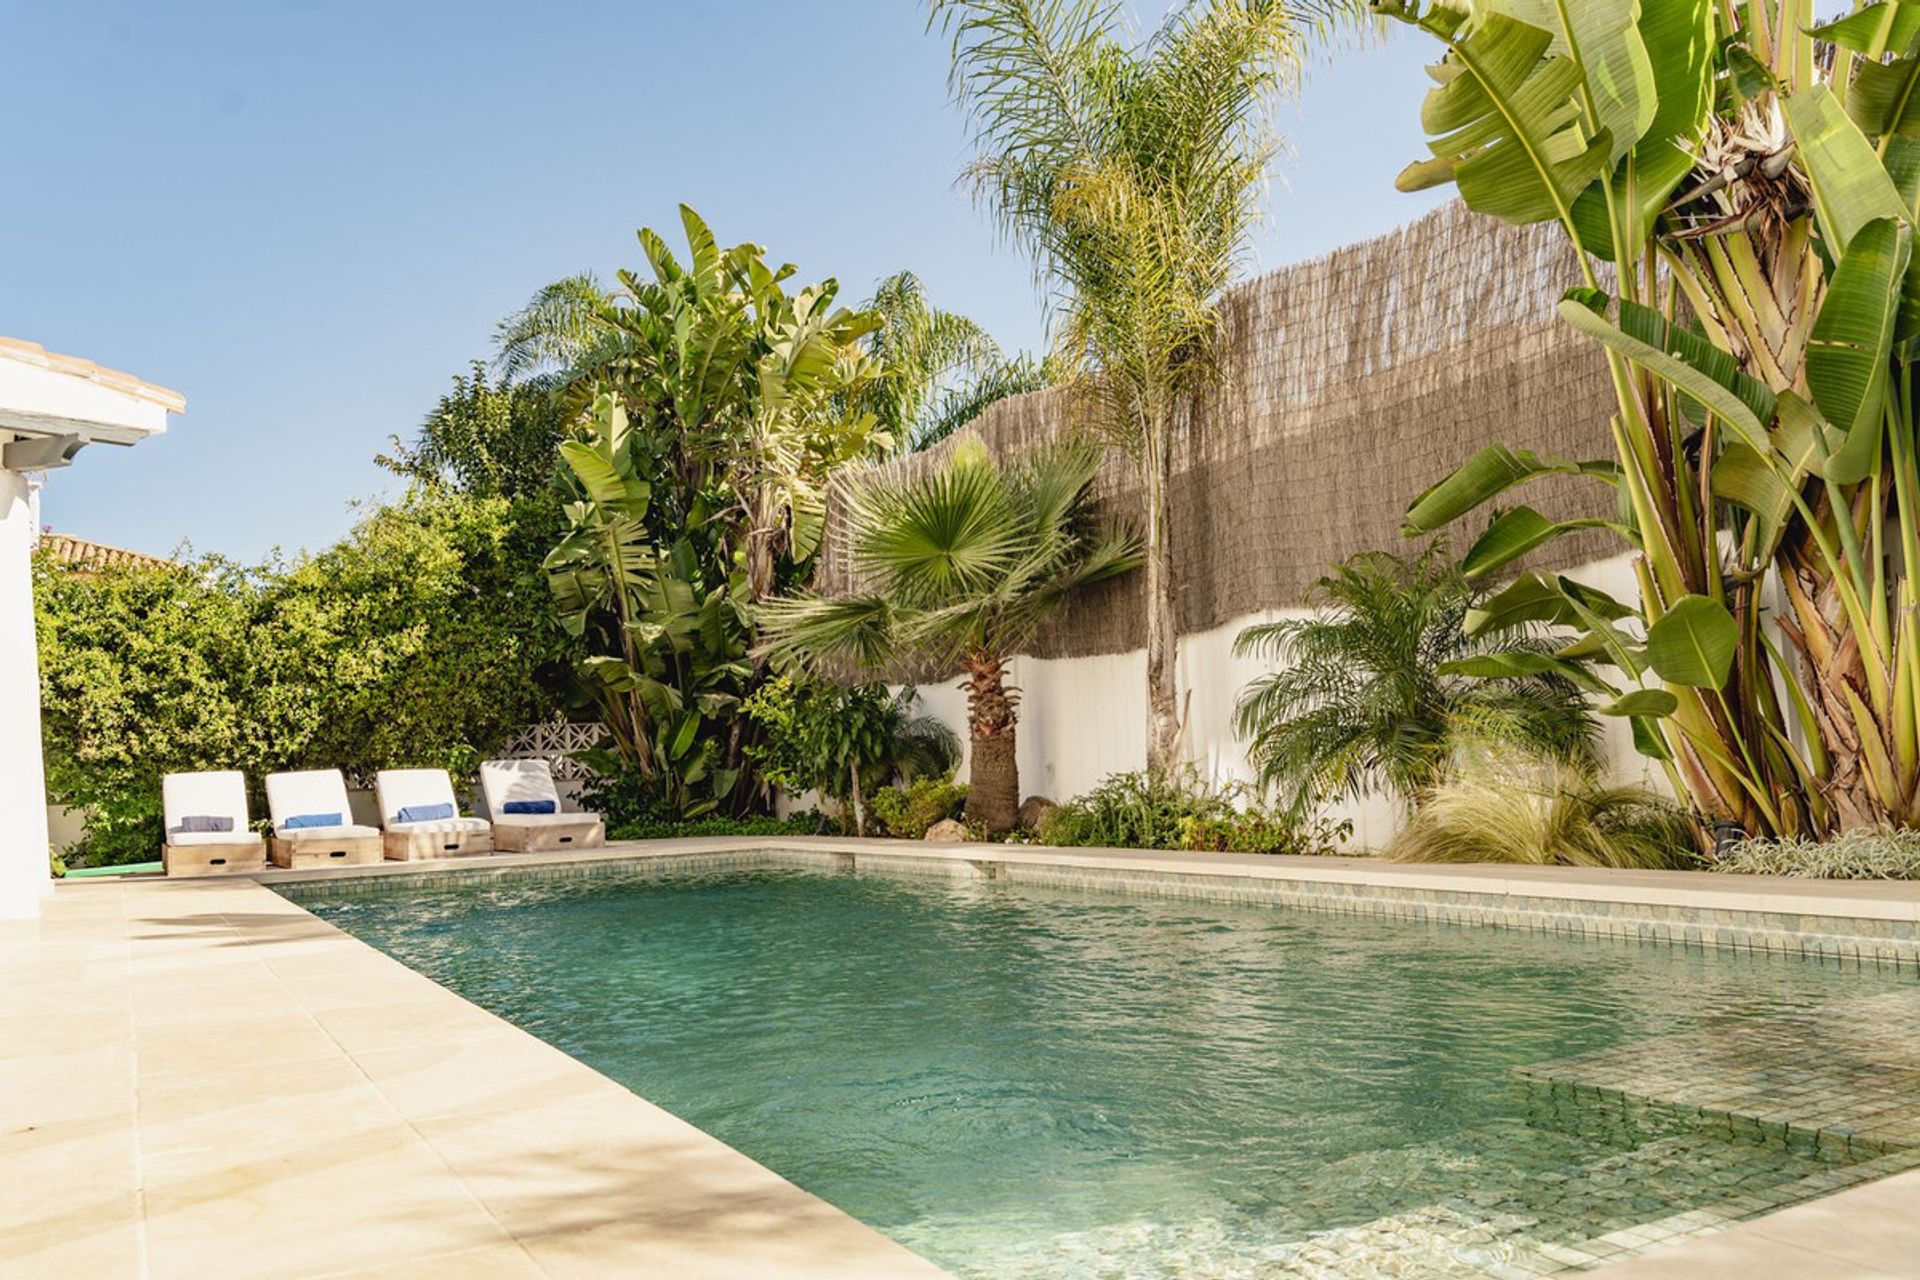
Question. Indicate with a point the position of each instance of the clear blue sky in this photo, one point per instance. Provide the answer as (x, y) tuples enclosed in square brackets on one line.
[(307, 215)]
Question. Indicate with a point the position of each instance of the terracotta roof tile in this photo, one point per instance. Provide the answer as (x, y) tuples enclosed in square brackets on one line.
[(78, 553)]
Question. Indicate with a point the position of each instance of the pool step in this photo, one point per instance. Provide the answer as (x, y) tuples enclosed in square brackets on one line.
[(1844, 1079)]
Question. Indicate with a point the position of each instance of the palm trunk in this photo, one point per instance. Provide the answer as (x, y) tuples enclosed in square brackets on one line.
[(859, 804), (993, 789), (1164, 722)]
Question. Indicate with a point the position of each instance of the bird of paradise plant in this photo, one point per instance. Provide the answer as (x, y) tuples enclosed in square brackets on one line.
[(1741, 186)]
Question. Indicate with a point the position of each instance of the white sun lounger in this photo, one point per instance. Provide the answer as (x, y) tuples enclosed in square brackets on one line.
[(422, 818), (207, 830), (519, 784), (313, 823)]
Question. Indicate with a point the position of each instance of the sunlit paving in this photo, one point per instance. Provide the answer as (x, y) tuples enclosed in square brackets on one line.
[(1000, 639)]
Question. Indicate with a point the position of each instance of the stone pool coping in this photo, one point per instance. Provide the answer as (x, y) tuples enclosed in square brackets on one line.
[(200, 1077)]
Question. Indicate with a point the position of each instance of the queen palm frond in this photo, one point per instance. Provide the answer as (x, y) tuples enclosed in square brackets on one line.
[(557, 327)]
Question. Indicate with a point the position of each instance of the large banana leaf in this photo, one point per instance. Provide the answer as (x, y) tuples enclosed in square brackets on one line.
[(1603, 39), (1723, 400), (1874, 29), (1486, 475), (1515, 533), (1884, 97), (1505, 122), (1677, 37), (1693, 643), (1642, 702), (1847, 357), (1540, 598), (1765, 484), (1851, 188)]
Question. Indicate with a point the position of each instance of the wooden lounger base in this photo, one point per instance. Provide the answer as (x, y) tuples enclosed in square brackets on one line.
[(549, 837), (344, 851), (213, 859), (420, 846)]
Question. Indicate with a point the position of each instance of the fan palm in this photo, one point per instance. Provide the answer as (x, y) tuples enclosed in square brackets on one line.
[(962, 565), (1373, 691), (1133, 174)]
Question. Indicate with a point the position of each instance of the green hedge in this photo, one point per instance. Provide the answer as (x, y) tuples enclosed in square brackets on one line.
[(419, 639)]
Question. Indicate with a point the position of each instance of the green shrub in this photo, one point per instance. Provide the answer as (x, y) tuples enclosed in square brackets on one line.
[(1264, 831), (845, 741), (908, 811), (1179, 810), (1555, 821), (799, 824), (1858, 855)]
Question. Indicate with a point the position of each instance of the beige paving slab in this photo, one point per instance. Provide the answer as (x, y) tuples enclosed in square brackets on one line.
[(76, 1247), (493, 1262), (1866, 1231)]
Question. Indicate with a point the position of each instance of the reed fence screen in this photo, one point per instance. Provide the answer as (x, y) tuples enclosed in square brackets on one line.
[(1349, 384)]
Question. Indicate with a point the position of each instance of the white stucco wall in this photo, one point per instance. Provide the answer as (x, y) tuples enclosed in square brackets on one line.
[(1084, 718), (23, 814)]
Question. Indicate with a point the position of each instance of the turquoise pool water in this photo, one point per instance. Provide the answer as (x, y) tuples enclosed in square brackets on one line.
[(1063, 1085)]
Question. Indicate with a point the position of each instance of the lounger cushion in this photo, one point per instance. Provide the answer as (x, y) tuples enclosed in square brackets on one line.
[(448, 826), (217, 794), (420, 792), (311, 794), (320, 835), (184, 838), (509, 782), (543, 819), (203, 823), (302, 821), (531, 806)]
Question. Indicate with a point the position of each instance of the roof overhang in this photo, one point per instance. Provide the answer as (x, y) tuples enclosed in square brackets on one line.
[(52, 406)]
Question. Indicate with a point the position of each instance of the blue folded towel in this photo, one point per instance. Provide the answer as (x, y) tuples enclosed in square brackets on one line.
[(530, 806), (300, 820), (201, 822), (424, 813)]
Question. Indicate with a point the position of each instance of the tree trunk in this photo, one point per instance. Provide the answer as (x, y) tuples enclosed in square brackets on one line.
[(993, 789), (993, 770), (1164, 721), (859, 803)]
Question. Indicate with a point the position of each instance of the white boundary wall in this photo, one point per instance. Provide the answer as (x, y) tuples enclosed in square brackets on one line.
[(1082, 719)]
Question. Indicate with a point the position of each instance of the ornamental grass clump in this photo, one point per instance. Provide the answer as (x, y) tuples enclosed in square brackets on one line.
[(1553, 821), (1858, 855)]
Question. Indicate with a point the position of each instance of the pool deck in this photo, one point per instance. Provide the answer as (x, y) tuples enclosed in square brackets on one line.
[(199, 1078)]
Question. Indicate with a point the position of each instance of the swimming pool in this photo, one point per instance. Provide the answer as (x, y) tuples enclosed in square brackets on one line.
[(1061, 1084)]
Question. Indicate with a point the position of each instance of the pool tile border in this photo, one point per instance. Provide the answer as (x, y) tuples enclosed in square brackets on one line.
[(1658, 916)]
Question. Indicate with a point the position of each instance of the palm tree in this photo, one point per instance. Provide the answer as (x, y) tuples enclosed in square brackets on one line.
[(555, 329), (1373, 692), (939, 370), (1132, 173), (962, 565)]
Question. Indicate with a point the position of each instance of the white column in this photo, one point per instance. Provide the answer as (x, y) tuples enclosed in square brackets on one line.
[(24, 879)]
